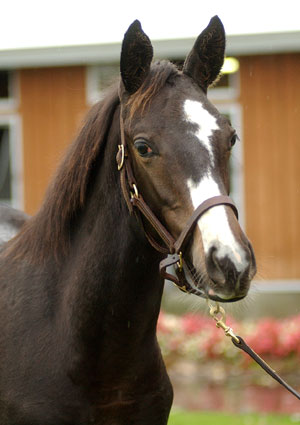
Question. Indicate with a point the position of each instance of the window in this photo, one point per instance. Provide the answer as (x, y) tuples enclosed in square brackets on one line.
[(5, 166), (4, 85), (10, 161), (227, 88), (100, 78), (8, 90), (10, 141)]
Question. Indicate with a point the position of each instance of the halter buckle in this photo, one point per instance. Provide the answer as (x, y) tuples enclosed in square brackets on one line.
[(180, 262), (182, 288)]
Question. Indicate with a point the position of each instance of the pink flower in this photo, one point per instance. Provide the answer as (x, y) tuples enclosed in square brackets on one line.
[(265, 339), (192, 323)]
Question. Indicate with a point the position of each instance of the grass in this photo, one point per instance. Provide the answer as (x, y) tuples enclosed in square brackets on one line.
[(200, 418)]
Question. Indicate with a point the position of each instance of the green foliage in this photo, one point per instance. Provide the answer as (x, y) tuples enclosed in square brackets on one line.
[(209, 418)]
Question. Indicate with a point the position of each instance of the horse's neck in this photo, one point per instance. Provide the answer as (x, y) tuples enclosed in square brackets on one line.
[(113, 287)]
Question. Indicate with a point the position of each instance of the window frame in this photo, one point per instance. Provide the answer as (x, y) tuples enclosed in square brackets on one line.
[(237, 191), (11, 102), (222, 94)]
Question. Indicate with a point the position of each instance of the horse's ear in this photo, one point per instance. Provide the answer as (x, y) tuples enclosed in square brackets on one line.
[(136, 57), (206, 58)]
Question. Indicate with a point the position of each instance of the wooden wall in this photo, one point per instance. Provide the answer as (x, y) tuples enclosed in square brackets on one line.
[(52, 107), (270, 97)]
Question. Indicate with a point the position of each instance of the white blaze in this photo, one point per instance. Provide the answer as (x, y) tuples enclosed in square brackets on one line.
[(207, 123), (213, 224)]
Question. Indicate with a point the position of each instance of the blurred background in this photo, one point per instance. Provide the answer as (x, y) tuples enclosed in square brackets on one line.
[(57, 57)]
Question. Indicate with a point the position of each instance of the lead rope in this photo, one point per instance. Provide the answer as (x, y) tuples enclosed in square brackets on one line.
[(218, 314)]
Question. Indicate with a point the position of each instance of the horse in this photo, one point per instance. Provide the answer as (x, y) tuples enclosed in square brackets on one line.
[(80, 283)]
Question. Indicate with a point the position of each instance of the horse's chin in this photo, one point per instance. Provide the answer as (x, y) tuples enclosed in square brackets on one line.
[(219, 299), (202, 287)]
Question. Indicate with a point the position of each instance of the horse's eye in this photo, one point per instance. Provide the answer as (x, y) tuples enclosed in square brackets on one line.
[(143, 148), (233, 140)]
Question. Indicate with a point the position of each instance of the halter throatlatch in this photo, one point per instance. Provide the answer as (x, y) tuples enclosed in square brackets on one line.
[(137, 204)]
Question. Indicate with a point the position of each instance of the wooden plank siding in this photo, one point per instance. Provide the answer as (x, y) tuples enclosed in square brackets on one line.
[(270, 98), (52, 107)]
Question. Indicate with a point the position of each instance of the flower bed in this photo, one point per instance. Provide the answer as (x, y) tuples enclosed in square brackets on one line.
[(192, 337), (208, 372)]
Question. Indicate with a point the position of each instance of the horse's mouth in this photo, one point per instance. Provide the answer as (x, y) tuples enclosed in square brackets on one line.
[(222, 300), (203, 286)]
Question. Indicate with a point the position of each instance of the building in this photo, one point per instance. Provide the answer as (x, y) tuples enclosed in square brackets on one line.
[(45, 93)]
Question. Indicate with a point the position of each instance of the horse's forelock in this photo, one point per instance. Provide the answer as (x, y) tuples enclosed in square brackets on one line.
[(160, 73)]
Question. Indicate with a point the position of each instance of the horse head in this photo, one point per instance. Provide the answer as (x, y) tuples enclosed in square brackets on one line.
[(179, 145)]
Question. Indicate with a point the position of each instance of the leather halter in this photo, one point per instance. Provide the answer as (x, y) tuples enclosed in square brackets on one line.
[(136, 203)]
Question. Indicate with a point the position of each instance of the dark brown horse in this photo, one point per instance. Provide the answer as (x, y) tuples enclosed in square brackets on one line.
[(80, 284)]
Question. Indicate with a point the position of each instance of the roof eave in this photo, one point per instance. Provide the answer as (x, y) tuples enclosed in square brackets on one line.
[(237, 45)]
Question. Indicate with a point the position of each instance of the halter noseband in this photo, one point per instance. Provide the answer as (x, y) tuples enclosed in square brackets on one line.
[(136, 203)]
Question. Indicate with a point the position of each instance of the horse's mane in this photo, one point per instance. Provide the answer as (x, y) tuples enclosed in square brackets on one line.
[(48, 232)]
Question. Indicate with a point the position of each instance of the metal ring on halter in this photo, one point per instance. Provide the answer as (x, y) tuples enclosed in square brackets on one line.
[(122, 149), (134, 194)]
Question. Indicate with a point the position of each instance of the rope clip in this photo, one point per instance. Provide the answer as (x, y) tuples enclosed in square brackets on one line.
[(218, 314)]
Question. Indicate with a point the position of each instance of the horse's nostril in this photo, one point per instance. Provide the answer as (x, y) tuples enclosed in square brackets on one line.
[(214, 267), (228, 268), (214, 257)]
